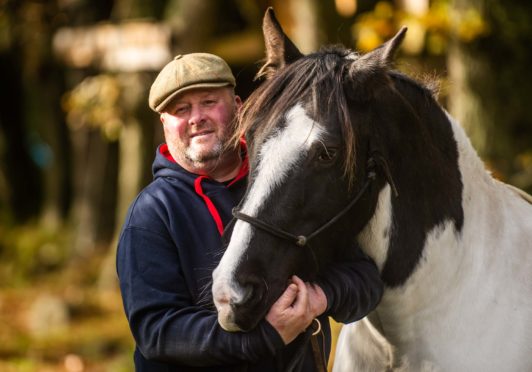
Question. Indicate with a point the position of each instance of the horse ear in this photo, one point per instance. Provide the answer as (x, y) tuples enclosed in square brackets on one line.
[(368, 71), (384, 55), (280, 50)]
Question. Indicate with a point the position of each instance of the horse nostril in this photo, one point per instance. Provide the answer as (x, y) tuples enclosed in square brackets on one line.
[(247, 294), (253, 291)]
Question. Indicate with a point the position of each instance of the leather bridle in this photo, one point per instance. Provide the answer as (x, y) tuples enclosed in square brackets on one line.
[(302, 240)]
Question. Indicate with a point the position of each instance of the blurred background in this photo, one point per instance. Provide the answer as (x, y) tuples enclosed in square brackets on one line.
[(77, 138)]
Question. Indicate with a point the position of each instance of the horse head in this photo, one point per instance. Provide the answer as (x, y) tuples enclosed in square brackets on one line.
[(325, 133)]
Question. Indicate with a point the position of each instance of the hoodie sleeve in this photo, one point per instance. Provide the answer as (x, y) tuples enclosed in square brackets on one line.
[(166, 324), (353, 287)]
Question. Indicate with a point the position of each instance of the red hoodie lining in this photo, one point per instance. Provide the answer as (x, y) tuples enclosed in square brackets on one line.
[(166, 153), (243, 172)]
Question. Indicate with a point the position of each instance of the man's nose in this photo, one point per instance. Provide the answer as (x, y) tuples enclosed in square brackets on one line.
[(197, 115)]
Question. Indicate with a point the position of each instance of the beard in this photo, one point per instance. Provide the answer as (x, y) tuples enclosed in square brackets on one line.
[(198, 153), (200, 156)]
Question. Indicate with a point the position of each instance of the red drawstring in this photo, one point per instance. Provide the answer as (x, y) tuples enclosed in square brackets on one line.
[(210, 206)]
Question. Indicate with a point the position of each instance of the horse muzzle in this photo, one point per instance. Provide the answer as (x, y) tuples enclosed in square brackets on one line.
[(235, 316), (240, 305), (226, 317)]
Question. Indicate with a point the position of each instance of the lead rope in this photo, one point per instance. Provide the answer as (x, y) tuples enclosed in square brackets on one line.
[(312, 334), (317, 349)]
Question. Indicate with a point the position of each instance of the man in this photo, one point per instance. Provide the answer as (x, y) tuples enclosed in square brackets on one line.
[(171, 242)]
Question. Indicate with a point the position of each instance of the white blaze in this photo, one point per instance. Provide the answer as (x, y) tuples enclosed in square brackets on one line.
[(278, 155)]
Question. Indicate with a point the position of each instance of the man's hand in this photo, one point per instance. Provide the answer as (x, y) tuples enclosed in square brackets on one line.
[(293, 312), (317, 299)]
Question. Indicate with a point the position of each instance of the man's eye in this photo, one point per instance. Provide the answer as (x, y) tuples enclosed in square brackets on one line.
[(181, 110)]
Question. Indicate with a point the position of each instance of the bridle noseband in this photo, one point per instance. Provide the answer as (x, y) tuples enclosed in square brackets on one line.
[(302, 240)]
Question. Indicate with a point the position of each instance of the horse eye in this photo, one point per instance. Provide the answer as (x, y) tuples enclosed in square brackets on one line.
[(327, 155)]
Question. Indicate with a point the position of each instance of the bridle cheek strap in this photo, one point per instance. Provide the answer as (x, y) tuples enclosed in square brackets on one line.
[(273, 230), (301, 240)]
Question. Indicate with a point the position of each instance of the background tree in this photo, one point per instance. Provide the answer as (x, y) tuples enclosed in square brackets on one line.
[(489, 81)]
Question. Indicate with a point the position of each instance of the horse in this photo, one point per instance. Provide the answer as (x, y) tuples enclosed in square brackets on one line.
[(345, 149)]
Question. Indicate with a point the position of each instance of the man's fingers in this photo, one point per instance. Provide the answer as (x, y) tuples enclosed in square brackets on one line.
[(300, 284), (301, 302), (317, 299), (288, 297), (291, 314)]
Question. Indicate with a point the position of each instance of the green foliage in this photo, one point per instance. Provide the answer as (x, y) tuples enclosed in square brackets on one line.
[(26, 251), (429, 29), (95, 102)]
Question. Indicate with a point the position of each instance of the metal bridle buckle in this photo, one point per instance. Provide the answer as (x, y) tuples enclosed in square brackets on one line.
[(318, 329), (301, 240)]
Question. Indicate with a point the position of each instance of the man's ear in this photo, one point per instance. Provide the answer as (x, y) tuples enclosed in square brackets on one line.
[(280, 50), (238, 103)]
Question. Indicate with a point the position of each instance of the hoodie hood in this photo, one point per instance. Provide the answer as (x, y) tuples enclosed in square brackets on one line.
[(164, 165), (209, 190)]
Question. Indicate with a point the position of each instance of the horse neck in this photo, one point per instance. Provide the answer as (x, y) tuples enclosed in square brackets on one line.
[(483, 267), (489, 205), (478, 184), (423, 160), (472, 168), (419, 221)]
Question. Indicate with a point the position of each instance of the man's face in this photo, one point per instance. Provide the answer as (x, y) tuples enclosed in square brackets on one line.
[(197, 125)]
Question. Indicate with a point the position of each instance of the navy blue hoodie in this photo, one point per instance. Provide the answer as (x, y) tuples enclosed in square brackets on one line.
[(169, 245)]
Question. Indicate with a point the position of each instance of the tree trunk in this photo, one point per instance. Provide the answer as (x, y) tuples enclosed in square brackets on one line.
[(194, 23), (490, 78), (95, 176), (22, 178)]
